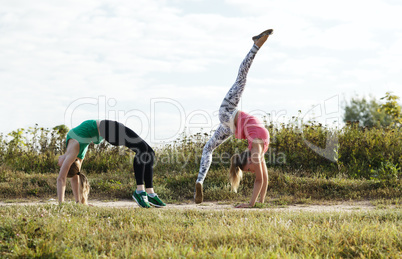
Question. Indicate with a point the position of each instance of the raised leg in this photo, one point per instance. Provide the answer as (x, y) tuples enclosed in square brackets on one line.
[(232, 98)]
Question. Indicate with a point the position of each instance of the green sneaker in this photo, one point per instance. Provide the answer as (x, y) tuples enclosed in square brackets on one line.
[(141, 199), (155, 201)]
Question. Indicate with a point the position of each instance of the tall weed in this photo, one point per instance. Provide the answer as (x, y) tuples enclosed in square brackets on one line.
[(358, 153)]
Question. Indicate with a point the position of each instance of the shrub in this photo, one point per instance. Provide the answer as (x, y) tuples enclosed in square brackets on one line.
[(353, 151)]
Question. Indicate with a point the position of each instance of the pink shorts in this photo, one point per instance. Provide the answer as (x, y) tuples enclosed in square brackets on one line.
[(261, 135)]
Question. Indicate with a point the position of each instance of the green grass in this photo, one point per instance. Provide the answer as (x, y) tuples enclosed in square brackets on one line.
[(283, 189), (388, 203), (76, 231), (367, 169), (355, 152)]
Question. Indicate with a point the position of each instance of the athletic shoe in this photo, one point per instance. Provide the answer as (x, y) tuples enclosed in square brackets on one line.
[(141, 199), (199, 196), (155, 201), (264, 33)]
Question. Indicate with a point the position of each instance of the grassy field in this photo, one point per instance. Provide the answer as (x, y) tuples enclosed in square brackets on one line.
[(284, 188), (76, 231), (366, 168)]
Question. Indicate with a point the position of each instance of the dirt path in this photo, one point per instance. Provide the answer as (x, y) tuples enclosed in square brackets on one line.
[(344, 206)]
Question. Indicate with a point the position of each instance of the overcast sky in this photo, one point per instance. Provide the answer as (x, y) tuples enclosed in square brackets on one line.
[(164, 66)]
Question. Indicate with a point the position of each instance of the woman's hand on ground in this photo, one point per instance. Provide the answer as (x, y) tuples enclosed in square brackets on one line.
[(243, 205)]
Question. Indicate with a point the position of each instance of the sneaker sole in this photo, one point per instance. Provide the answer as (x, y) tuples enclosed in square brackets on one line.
[(199, 196), (157, 206), (138, 202)]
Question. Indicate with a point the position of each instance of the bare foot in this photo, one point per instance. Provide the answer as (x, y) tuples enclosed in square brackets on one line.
[(199, 196), (260, 39)]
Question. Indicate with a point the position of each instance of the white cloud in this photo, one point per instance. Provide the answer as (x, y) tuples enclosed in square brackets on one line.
[(365, 76), (53, 53), (313, 66)]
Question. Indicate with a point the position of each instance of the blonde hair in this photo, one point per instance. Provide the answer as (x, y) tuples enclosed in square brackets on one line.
[(84, 186), (237, 162), (84, 189)]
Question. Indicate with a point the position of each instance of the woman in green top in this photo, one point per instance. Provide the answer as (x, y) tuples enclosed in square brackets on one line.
[(94, 131)]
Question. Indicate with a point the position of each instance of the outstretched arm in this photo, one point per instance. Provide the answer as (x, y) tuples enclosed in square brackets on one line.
[(257, 160), (264, 181), (258, 183), (65, 162)]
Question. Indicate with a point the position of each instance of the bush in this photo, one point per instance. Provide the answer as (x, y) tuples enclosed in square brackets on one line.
[(353, 151)]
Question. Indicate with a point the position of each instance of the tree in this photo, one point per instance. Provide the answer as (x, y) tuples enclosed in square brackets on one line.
[(62, 130), (392, 108), (367, 112)]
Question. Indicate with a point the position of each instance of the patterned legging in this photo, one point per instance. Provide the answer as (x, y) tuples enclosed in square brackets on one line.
[(226, 110)]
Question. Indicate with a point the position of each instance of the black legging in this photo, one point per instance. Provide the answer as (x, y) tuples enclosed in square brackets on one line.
[(119, 135)]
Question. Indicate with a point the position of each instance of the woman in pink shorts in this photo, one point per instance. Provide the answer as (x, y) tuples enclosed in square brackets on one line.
[(243, 126)]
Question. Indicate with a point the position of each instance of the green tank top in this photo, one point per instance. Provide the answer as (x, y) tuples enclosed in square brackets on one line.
[(85, 134)]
